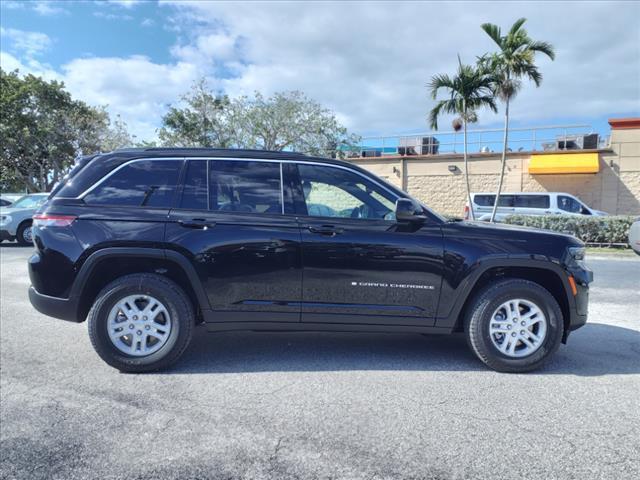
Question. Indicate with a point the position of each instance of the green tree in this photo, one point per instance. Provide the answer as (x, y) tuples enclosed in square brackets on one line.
[(206, 121), (284, 121), (468, 90), (43, 130), (514, 60)]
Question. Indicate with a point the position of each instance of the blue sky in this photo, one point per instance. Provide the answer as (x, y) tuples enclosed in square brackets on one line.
[(369, 62)]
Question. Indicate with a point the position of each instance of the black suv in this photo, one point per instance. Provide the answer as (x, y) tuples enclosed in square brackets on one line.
[(148, 243)]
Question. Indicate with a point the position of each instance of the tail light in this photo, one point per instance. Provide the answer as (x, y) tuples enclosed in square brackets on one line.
[(466, 212), (48, 220)]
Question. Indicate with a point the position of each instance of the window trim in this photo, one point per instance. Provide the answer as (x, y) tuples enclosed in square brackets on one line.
[(207, 159)]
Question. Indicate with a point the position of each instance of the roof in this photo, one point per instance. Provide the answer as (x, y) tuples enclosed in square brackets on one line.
[(125, 154), (207, 152)]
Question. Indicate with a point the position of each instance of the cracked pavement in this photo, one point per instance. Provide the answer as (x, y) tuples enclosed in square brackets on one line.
[(326, 406)]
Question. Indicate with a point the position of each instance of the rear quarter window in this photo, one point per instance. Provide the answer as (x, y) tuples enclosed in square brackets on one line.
[(142, 183)]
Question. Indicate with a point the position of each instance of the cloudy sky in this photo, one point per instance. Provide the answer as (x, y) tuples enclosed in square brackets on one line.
[(368, 61)]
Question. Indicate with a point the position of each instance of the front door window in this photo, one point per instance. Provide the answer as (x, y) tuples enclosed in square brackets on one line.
[(334, 192)]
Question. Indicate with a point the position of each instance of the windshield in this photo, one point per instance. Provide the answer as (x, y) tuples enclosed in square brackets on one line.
[(30, 201)]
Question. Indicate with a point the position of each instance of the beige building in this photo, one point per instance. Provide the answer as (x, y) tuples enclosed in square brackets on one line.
[(606, 179)]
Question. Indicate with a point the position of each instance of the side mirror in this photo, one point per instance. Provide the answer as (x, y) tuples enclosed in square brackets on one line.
[(409, 211)]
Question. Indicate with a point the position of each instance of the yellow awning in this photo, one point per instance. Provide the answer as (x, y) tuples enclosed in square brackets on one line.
[(564, 163)]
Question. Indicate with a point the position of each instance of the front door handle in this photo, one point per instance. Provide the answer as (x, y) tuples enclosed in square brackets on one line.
[(326, 230), (200, 223)]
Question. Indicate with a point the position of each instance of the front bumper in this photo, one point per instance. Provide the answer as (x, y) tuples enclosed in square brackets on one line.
[(62, 308), (6, 235)]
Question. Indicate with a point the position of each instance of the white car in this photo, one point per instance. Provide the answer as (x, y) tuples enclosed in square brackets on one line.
[(528, 203), (634, 236), (15, 221)]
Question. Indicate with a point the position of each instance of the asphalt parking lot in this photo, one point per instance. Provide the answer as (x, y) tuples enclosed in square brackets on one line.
[(247, 405)]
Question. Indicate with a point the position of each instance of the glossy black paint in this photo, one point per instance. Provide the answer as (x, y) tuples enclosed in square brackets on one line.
[(291, 271)]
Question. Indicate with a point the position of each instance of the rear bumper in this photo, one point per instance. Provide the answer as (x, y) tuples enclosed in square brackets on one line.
[(62, 308)]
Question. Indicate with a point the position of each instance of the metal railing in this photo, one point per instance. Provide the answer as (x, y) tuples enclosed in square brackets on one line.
[(545, 138)]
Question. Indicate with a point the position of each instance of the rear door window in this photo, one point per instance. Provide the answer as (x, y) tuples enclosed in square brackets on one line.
[(532, 201), (484, 200), (490, 200), (141, 183), (245, 186)]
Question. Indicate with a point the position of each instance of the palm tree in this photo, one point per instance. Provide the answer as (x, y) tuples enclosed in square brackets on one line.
[(469, 90), (514, 60)]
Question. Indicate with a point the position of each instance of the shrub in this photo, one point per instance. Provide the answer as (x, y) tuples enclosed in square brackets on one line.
[(609, 229)]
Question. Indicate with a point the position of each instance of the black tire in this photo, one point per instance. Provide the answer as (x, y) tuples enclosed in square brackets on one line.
[(21, 233), (482, 308), (177, 304)]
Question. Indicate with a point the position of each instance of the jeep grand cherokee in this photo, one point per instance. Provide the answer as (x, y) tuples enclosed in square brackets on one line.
[(147, 243)]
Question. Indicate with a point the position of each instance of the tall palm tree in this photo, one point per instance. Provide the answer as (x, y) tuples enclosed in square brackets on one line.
[(514, 61), (469, 90)]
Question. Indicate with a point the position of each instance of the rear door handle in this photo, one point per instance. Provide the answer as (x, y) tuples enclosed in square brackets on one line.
[(200, 223), (326, 230)]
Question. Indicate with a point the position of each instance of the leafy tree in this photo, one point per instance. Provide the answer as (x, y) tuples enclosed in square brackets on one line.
[(43, 130), (468, 91), (116, 135), (205, 121), (284, 121), (514, 61), (291, 121)]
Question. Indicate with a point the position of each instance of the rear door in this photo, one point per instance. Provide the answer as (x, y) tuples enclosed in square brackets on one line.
[(235, 223), (359, 265)]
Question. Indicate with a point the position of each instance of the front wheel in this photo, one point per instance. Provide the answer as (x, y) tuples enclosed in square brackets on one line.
[(514, 325), (141, 323)]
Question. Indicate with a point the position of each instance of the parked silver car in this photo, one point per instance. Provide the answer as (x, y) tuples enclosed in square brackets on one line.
[(15, 221), (528, 203), (634, 236)]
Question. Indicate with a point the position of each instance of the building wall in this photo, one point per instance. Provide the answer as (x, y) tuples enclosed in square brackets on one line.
[(615, 189)]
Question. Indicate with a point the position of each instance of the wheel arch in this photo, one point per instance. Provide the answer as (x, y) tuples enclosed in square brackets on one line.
[(547, 275), (105, 265)]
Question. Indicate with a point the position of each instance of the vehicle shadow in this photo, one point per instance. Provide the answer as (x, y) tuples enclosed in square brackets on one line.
[(594, 350), (6, 244)]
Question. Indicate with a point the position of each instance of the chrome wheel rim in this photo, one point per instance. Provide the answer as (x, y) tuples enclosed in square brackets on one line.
[(27, 235), (518, 328), (139, 325)]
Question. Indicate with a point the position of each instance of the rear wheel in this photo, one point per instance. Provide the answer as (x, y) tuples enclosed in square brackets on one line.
[(514, 325), (141, 323), (23, 235)]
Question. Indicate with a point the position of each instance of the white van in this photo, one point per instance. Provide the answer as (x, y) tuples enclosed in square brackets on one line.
[(528, 203)]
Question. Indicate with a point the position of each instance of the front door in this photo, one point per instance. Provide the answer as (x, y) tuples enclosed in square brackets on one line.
[(359, 264), (231, 221)]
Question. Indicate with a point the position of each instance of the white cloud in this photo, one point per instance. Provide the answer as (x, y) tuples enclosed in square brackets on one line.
[(10, 63), (29, 43), (112, 16), (370, 61), (128, 4), (147, 22), (135, 88), (48, 8)]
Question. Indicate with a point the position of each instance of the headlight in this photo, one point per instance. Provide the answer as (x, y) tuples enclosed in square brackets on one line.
[(577, 253), (5, 220), (576, 256)]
